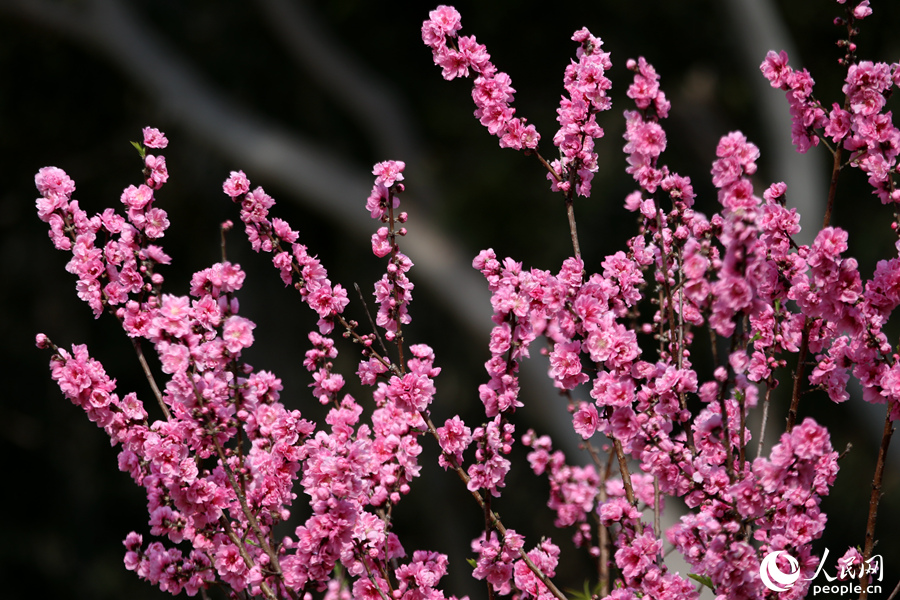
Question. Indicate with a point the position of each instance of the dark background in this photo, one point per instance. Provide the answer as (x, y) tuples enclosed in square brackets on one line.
[(73, 100)]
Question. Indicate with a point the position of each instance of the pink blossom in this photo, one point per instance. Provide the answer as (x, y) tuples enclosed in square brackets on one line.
[(586, 420), (156, 221), (389, 172), (53, 182), (237, 333), (454, 437), (220, 459), (411, 392), (446, 19), (565, 365), (776, 69), (137, 198), (236, 184), (159, 174), (381, 245), (154, 138), (639, 556), (862, 10)]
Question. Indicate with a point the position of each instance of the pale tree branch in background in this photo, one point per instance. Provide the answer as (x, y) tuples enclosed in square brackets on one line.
[(758, 28), (377, 109)]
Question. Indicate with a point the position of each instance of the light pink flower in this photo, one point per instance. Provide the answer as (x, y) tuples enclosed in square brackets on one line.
[(154, 138)]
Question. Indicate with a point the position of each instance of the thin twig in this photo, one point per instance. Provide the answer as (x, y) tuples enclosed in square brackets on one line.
[(223, 229), (626, 481), (656, 496), (248, 562), (875, 498), (371, 320), (895, 592), (603, 536), (798, 376), (570, 211), (362, 558), (397, 292), (765, 416), (150, 379)]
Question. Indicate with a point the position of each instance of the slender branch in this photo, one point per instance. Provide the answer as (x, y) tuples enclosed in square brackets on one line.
[(546, 165), (150, 379), (875, 498), (895, 592), (371, 320), (670, 310), (603, 536), (835, 171), (223, 229), (626, 480), (656, 526), (362, 558), (742, 453), (570, 211), (798, 377), (765, 414), (832, 189), (248, 562), (245, 508)]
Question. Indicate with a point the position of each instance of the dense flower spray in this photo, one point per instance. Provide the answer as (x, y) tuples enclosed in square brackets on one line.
[(224, 461)]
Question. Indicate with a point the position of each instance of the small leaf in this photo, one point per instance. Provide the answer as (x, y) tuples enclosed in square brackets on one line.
[(703, 580), (577, 595), (472, 562), (141, 150)]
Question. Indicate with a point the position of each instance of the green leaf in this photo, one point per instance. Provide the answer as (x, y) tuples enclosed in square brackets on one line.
[(472, 562), (703, 580), (141, 150), (584, 595)]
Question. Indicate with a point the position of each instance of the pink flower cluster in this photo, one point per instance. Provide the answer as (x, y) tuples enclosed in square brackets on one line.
[(645, 137), (394, 292), (123, 265), (861, 125), (220, 466), (586, 84), (492, 92), (500, 564), (275, 236)]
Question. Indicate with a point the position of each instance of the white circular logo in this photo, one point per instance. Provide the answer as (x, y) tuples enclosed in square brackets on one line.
[(771, 575)]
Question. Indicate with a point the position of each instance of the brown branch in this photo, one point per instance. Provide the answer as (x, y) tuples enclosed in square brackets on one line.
[(835, 171), (570, 211), (604, 541), (245, 508), (875, 498), (798, 377), (895, 592), (765, 413), (149, 375), (626, 481), (248, 562), (832, 189)]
